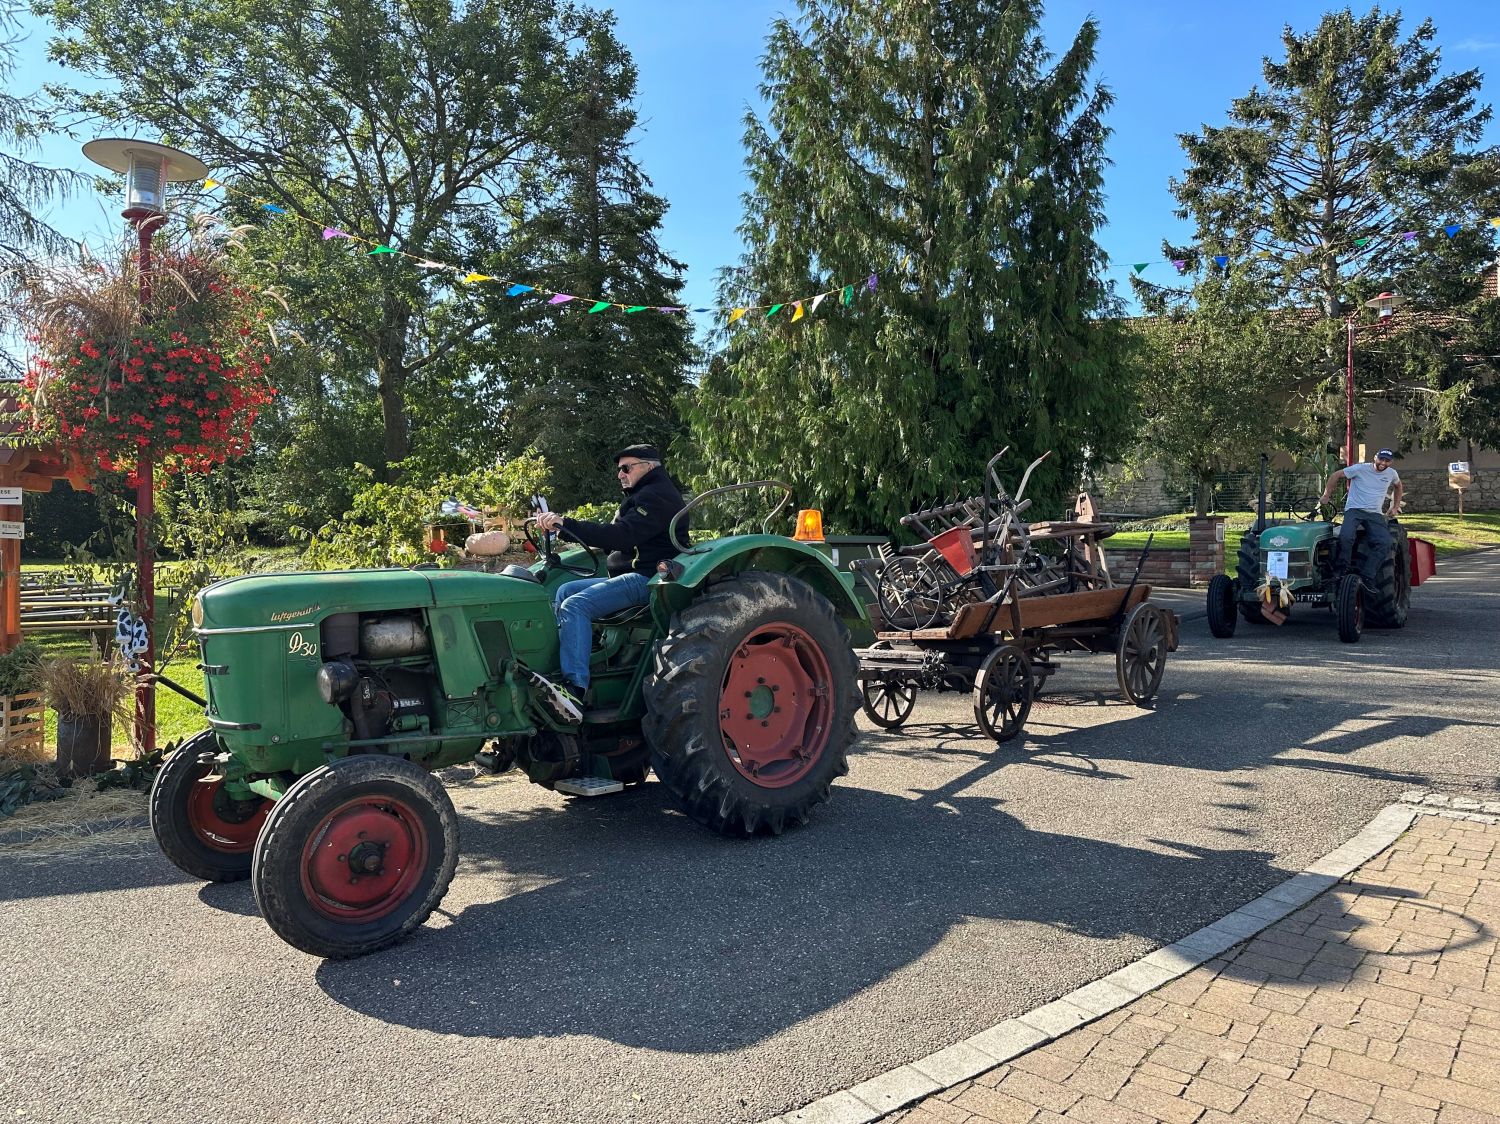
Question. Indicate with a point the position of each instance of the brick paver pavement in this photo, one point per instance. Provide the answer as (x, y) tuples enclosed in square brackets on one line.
[(1379, 1000)]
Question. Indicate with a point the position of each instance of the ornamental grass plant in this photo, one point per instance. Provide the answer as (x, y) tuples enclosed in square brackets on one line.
[(96, 685)]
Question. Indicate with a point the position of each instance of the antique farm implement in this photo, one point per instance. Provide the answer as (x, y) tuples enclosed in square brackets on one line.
[(988, 602)]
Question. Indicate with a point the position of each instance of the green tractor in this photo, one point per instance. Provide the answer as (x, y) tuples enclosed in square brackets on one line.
[(1295, 560), (331, 697)]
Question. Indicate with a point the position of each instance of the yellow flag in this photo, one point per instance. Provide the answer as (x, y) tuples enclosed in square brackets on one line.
[(470, 278), (906, 261), (1495, 222), (736, 314), (797, 314), (210, 184)]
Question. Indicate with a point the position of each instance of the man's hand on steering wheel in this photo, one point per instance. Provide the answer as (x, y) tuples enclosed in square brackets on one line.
[(549, 523)]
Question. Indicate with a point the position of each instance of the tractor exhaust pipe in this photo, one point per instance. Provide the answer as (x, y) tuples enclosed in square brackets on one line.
[(1260, 505)]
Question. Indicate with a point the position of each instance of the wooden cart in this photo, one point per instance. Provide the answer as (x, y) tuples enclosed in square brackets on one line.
[(1004, 652)]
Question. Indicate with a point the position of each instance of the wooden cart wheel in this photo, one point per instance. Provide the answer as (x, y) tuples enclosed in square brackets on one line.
[(1141, 656), (909, 592), (888, 703), (1002, 692)]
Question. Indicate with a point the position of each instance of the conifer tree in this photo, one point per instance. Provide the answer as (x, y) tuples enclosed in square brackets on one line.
[(947, 133)]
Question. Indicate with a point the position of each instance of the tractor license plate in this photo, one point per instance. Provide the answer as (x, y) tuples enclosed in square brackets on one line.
[(1276, 563)]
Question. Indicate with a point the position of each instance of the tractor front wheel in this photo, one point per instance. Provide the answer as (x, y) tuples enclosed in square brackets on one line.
[(198, 826), (1349, 608), (750, 704), (355, 856), (1222, 596)]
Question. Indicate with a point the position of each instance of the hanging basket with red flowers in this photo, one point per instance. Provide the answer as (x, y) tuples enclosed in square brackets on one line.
[(179, 380)]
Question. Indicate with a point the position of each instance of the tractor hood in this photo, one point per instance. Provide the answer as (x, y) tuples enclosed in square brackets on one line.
[(308, 597), (1294, 536)]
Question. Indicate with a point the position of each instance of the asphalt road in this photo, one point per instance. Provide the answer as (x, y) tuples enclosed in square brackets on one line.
[(609, 960)]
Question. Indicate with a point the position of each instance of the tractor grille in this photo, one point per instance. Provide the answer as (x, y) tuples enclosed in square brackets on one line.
[(1298, 564)]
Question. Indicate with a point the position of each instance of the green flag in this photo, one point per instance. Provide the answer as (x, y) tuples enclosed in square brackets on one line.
[(1361, 242), (600, 306), (848, 294), (775, 308), (636, 308), (1140, 266)]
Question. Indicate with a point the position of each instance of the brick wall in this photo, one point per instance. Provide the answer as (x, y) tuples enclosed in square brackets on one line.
[(1164, 569)]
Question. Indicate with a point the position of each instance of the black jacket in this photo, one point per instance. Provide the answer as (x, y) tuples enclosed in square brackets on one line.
[(639, 530)]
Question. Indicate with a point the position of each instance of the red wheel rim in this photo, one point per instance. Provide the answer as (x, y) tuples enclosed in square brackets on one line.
[(216, 819), (364, 859), (776, 705)]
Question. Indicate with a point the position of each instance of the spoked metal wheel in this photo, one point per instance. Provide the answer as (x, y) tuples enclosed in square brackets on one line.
[(888, 702), (1141, 656), (1002, 693), (910, 593)]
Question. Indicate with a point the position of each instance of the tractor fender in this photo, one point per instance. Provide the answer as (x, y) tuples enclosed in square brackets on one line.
[(722, 558)]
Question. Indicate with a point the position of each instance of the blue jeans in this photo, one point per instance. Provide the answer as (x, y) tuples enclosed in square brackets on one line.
[(579, 604), (1377, 542)]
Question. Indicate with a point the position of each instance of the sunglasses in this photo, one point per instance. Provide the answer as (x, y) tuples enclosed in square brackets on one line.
[(625, 468)]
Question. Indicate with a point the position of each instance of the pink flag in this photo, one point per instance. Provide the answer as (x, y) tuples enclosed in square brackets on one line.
[(561, 298)]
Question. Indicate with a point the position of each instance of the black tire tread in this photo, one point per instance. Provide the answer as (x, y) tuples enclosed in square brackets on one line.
[(1388, 605), (167, 813), (682, 698), (1221, 605), (1248, 575)]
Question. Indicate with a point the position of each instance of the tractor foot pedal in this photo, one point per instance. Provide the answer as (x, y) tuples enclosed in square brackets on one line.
[(588, 786), (557, 700)]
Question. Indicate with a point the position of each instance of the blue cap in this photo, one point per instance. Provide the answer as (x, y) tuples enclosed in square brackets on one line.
[(1385, 455)]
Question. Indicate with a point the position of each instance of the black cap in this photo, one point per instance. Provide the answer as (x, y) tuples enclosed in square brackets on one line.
[(639, 452)]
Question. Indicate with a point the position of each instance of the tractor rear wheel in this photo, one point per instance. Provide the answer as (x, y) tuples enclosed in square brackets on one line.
[(1388, 605), (355, 856), (1248, 575), (1222, 595), (198, 826), (750, 704), (1349, 608)]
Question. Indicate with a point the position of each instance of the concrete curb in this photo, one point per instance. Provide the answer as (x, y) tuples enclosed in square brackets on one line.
[(885, 1093), (73, 830)]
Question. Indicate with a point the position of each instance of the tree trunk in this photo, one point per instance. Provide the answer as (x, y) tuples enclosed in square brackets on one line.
[(390, 366), (1203, 495)]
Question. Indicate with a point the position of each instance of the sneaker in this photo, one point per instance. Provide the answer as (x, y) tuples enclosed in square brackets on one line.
[(565, 700)]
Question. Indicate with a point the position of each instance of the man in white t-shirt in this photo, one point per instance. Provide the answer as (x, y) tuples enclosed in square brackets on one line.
[(1365, 507)]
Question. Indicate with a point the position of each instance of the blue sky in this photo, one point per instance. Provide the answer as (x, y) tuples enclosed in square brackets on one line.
[(1171, 66)]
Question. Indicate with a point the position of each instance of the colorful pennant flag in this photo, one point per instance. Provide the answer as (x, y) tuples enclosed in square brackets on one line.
[(273, 208), (1221, 260), (599, 306), (1140, 267), (1452, 229), (817, 300), (871, 283), (736, 314), (475, 278), (1409, 236), (1495, 222), (1361, 242), (209, 185), (1180, 264), (424, 264), (796, 311), (333, 232), (848, 294), (636, 308), (517, 290), (386, 250), (561, 298), (775, 308)]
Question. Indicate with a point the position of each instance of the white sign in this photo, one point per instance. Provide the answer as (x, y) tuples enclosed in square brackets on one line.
[(1276, 561), (10, 495), (1457, 468), (11, 530)]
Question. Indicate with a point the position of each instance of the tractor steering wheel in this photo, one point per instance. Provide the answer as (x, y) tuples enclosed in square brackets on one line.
[(1313, 505), (545, 547)]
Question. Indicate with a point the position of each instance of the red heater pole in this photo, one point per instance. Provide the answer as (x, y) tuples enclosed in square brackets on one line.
[(1349, 398)]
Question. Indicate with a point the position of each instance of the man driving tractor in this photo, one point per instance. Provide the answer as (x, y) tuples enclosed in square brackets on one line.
[(637, 540), (1364, 507)]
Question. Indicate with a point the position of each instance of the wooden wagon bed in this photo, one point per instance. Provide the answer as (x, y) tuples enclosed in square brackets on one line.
[(1013, 617)]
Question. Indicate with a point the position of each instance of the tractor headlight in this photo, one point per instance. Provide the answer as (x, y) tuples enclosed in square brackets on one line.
[(197, 613), (337, 681)]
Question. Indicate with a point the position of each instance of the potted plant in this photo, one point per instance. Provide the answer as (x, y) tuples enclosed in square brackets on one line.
[(88, 694)]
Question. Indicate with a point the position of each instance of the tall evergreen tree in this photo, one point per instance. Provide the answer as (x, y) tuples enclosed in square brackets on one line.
[(943, 131), (1352, 171)]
